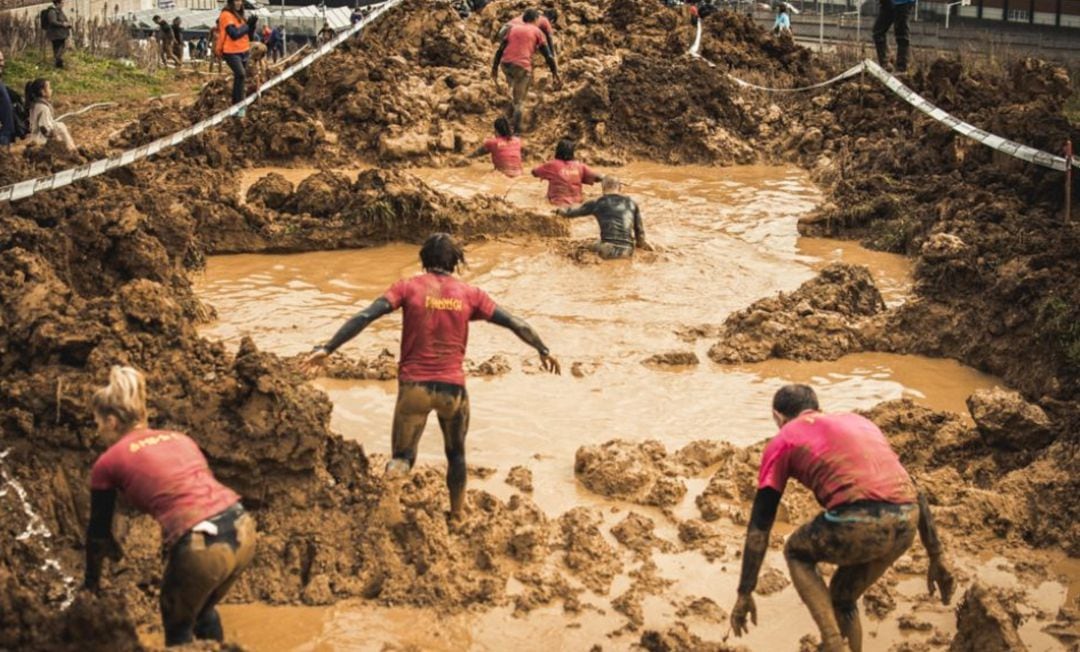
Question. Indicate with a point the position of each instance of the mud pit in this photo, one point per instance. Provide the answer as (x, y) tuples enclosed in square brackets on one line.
[(724, 237)]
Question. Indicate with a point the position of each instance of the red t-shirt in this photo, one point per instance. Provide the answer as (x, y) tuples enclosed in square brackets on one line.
[(542, 22), (165, 475), (522, 41), (505, 154), (438, 309), (842, 458), (564, 180)]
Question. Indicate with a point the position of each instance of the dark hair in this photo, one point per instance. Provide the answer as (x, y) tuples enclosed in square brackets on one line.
[(564, 150), (440, 253), (552, 14), (791, 400), (502, 127), (157, 18), (530, 15), (35, 89)]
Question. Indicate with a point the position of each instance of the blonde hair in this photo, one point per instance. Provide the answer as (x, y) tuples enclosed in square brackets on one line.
[(123, 398)]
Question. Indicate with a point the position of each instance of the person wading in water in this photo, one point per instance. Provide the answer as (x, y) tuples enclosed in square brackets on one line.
[(435, 331), (872, 511)]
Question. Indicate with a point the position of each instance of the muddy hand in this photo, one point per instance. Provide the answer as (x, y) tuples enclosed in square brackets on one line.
[(314, 362), (743, 606), (940, 575), (550, 365)]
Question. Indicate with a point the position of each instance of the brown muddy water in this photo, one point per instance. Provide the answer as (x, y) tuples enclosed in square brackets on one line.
[(726, 237)]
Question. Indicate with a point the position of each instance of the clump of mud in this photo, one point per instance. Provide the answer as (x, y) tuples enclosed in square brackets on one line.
[(822, 320)]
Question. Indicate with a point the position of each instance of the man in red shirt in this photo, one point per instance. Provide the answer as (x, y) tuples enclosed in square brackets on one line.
[(565, 175), (504, 147), (515, 55), (434, 334), (542, 21), (209, 538), (872, 511)]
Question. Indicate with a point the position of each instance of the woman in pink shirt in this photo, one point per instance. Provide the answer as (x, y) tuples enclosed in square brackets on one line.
[(505, 149), (209, 537), (565, 175)]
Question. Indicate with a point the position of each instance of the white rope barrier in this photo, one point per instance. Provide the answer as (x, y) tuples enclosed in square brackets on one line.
[(31, 187), (993, 141)]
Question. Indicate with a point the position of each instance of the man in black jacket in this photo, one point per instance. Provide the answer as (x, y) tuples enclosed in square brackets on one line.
[(619, 219), (57, 30)]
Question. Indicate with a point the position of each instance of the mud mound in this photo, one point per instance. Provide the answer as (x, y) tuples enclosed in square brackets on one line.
[(586, 553), (678, 638), (272, 191), (1005, 419), (822, 320), (983, 624), (322, 195), (641, 473)]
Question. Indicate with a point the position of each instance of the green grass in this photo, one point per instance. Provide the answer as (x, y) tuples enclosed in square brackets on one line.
[(1072, 107), (88, 78)]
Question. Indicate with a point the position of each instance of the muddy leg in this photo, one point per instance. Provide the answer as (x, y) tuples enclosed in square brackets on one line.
[(811, 588), (410, 417), (454, 421)]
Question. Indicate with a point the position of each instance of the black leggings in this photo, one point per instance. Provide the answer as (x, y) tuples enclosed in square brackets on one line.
[(237, 64)]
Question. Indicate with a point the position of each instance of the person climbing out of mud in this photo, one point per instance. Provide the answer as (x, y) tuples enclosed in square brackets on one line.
[(565, 175), (438, 308), (619, 219), (208, 536), (893, 13), (515, 56), (872, 511), (544, 21), (233, 43), (504, 147)]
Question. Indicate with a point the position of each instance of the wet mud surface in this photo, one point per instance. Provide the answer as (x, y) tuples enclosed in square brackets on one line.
[(103, 271)]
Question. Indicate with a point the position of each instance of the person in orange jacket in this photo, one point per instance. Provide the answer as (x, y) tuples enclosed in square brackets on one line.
[(234, 42)]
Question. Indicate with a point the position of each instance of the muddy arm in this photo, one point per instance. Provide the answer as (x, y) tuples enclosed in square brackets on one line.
[(498, 58), (550, 58), (358, 323), (762, 516), (525, 332), (99, 540), (939, 574), (927, 531), (639, 229), (588, 208)]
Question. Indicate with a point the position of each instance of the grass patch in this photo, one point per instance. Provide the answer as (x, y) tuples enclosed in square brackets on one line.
[(87, 78)]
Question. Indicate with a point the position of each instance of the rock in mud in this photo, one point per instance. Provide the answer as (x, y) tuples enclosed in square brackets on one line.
[(640, 473), (520, 478), (1005, 420), (586, 553), (496, 365), (636, 533), (983, 625), (678, 638), (272, 191), (704, 608), (672, 359), (822, 320)]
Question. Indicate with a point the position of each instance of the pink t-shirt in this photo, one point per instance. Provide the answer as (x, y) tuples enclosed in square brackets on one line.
[(842, 458), (522, 41), (564, 180), (505, 154), (163, 474), (542, 22), (438, 309)]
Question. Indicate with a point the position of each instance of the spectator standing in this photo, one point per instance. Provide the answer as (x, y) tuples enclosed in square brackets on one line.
[(782, 23), (326, 34), (277, 43), (233, 43), (893, 13), (7, 110), (178, 40), (57, 30)]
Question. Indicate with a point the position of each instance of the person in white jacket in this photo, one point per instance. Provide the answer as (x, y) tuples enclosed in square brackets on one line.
[(43, 125)]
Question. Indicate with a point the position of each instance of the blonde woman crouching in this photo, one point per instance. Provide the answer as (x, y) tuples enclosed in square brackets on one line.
[(209, 538)]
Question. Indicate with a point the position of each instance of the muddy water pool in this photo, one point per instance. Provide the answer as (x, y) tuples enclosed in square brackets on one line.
[(726, 237)]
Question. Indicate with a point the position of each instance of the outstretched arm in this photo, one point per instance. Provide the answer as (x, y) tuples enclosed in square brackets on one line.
[(588, 208), (526, 334), (938, 573), (99, 539), (762, 517), (349, 330)]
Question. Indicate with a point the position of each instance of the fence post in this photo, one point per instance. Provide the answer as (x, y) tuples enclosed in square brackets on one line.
[(1068, 179)]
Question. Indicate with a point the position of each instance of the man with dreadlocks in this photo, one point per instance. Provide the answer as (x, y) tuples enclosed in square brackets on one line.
[(438, 308)]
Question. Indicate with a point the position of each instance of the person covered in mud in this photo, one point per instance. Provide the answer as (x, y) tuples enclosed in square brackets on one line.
[(565, 175), (515, 56), (504, 147), (619, 219), (233, 43), (872, 511), (435, 330), (544, 21), (208, 536), (894, 14)]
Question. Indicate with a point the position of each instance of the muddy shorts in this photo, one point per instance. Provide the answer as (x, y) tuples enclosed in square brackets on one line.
[(858, 533), (414, 402), (519, 81), (202, 566), (612, 250)]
